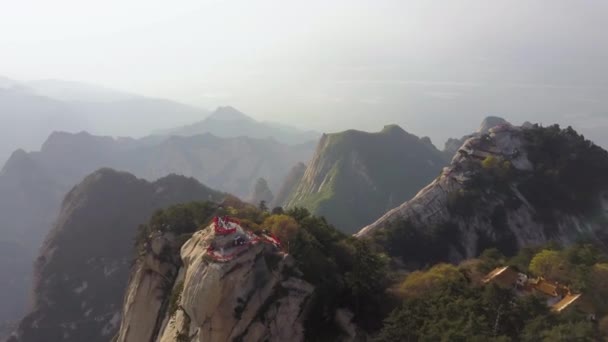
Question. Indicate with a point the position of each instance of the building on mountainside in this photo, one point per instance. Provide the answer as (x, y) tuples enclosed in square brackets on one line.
[(506, 277), (232, 240), (558, 296), (553, 292)]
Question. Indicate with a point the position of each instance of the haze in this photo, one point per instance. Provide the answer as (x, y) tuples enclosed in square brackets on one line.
[(434, 67)]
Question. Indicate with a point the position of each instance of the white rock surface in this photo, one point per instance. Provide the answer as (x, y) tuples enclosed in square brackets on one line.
[(430, 206), (249, 297)]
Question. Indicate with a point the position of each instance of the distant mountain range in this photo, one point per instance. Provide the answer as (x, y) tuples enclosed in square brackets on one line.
[(356, 176), (508, 187), (33, 184), (229, 122), (30, 111)]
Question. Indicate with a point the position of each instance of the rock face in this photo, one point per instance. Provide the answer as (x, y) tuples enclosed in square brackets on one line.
[(489, 123), (289, 185), (452, 145), (256, 296), (83, 267), (356, 176), (511, 187)]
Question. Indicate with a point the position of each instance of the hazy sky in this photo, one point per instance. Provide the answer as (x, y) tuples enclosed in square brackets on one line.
[(434, 67)]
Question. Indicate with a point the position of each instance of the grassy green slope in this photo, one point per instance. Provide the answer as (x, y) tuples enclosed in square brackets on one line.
[(357, 176)]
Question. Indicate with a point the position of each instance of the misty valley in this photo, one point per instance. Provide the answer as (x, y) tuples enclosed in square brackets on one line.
[(353, 171)]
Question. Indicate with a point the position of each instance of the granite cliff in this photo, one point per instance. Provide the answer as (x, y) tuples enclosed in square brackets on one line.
[(508, 188), (256, 296)]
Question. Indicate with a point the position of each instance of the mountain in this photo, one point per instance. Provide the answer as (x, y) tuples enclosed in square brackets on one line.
[(208, 288), (229, 164), (356, 176), (27, 119), (84, 263), (187, 279), (452, 145), (30, 111), (104, 107), (509, 188), (289, 185), (261, 193), (255, 296), (33, 184), (229, 122)]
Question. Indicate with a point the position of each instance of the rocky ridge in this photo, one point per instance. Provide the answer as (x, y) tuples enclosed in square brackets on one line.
[(290, 182), (256, 296), (507, 188)]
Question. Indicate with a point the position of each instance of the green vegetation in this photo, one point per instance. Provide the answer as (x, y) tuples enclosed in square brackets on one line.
[(176, 296), (181, 220), (418, 247), (582, 267), (570, 171), (446, 303), (569, 175), (346, 272), (358, 176), (419, 282), (456, 310)]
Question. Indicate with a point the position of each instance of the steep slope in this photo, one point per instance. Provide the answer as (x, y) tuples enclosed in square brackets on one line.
[(252, 296), (84, 264), (452, 145), (33, 184), (289, 185), (356, 176), (509, 188), (29, 201), (246, 285), (229, 122)]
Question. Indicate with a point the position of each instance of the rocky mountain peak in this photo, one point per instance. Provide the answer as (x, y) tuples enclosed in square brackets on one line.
[(393, 129), (229, 113), (490, 122), (17, 162), (452, 145), (509, 188), (230, 286)]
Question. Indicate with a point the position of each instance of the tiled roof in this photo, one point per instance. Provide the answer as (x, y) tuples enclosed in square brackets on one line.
[(547, 288), (504, 276), (566, 302)]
